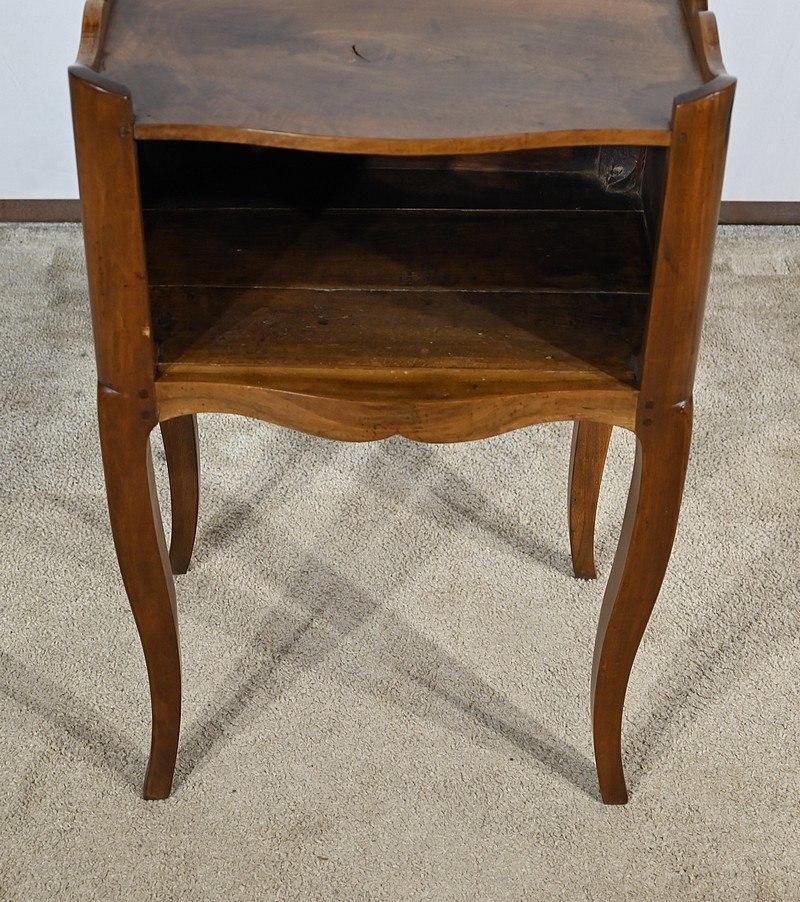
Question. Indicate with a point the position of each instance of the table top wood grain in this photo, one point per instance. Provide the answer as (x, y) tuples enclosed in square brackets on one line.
[(387, 77)]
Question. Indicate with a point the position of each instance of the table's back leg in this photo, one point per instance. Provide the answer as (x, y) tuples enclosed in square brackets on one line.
[(183, 463), (587, 460), (645, 544), (144, 564)]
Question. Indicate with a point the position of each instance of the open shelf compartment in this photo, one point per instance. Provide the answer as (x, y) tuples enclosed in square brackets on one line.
[(269, 265)]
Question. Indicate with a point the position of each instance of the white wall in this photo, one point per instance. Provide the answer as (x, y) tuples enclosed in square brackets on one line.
[(39, 38), (761, 47)]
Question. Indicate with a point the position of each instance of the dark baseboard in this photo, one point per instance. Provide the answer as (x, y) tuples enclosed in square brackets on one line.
[(40, 211), (733, 212), (743, 212)]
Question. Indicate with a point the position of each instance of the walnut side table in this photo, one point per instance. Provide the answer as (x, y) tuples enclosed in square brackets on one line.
[(444, 220)]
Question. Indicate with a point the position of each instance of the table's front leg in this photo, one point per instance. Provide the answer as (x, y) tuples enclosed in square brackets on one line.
[(126, 363), (648, 532), (682, 267), (144, 564)]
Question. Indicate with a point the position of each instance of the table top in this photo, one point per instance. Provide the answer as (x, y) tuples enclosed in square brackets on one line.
[(388, 76)]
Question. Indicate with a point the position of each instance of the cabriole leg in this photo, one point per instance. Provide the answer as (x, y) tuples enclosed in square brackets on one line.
[(183, 463), (144, 564), (648, 531), (589, 448)]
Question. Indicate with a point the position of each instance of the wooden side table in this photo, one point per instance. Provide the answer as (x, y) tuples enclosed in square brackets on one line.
[(445, 220)]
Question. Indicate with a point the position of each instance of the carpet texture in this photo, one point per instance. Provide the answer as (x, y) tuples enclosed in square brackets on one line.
[(386, 657)]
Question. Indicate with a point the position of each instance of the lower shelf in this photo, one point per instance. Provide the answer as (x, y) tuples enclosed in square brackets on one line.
[(552, 340)]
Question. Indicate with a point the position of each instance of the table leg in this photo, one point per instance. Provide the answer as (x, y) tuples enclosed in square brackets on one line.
[(648, 531), (144, 564), (589, 447), (183, 463)]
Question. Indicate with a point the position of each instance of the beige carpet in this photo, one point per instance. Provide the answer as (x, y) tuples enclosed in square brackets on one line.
[(386, 658)]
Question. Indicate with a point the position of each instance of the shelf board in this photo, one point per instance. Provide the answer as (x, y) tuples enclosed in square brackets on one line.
[(527, 250), (541, 341), (412, 77)]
